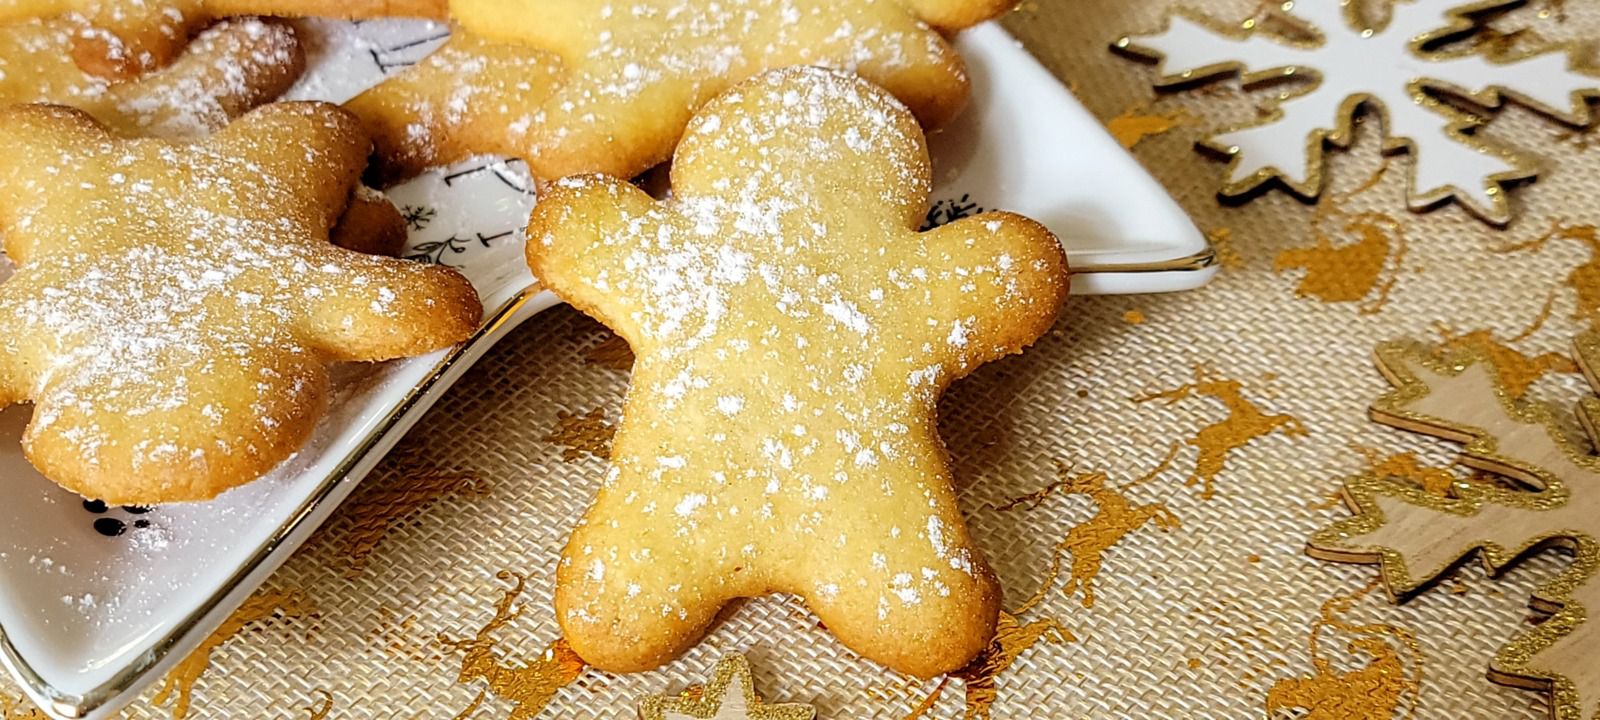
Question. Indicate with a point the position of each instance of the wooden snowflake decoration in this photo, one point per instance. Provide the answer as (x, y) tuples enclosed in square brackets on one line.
[(1396, 68), (1418, 537)]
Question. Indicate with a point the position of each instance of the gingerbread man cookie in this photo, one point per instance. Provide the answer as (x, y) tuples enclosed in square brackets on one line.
[(793, 333), (124, 39), (175, 305), (632, 72), (228, 69)]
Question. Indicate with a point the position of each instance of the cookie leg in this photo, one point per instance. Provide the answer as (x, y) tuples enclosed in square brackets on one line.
[(174, 424), (657, 556), (122, 40), (371, 225)]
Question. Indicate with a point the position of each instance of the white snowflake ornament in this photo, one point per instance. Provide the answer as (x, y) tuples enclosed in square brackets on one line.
[(1389, 66)]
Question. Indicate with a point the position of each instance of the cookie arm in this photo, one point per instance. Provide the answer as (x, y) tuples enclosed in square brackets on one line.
[(297, 145), (416, 118), (1002, 280), (366, 309), (239, 64), (561, 26), (348, 10), (39, 142), (581, 245)]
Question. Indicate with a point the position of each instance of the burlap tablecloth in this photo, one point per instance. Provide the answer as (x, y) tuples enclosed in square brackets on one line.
[(1202, 608)]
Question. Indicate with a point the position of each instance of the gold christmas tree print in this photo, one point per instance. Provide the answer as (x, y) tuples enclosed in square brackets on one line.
[(1402, 68), (1418, 538)]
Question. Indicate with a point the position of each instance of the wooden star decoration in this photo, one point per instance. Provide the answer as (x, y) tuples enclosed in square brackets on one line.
[(730, 695), (630, 78)]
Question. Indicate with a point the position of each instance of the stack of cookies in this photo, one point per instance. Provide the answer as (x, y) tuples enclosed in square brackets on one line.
[(191, 257)]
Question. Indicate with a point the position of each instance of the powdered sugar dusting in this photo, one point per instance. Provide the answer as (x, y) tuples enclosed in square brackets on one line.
[(174, 328), (793, 334), (637, 68)]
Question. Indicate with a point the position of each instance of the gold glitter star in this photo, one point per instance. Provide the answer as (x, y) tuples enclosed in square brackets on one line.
[(730, 695)]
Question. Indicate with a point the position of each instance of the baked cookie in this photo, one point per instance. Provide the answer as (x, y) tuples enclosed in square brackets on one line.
[(632, 72), (793, 332), (228, 69), (124, 39), (175, 305), (370, 224), (446, 108)]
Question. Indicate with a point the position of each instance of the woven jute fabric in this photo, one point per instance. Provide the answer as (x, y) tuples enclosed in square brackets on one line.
[(1203, 608)]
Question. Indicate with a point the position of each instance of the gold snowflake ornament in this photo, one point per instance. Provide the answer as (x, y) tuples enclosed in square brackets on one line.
[(1398, 68), (730, 695)]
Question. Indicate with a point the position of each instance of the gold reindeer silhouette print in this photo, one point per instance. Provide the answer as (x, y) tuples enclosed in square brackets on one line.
[(1517, 370), (178, 687), (321, 709), (1584, 279), (1011, 639), (1246, 422), (1407, 466), (1364, 271), (1115, 518), (1137, 123), (529, 687), (386, 504), (1390, 680), (579, 435)]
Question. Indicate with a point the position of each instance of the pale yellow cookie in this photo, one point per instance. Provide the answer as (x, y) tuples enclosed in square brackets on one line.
[(370, 224), (630, 73), (124, 39), (793, 333), (176, 305), (228, 69)]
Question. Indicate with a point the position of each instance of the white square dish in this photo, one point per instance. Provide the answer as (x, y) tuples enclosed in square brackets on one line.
[(98, 602)]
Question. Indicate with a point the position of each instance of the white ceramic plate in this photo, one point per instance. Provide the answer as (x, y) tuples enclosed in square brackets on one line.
[(96, 603)]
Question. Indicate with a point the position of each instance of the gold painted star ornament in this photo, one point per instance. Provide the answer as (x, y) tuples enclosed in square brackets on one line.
[(730, 695)]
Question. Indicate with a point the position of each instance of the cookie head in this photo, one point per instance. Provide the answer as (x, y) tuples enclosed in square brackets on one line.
[(793, 332), (175, 306), (629, 74)]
